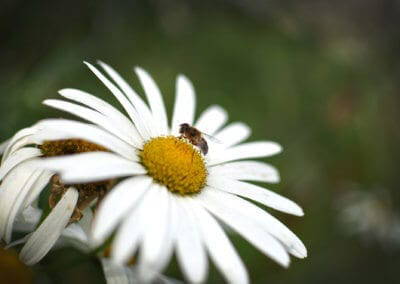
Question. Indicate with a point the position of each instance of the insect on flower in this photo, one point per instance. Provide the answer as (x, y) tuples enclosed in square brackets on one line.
[(195, 137)]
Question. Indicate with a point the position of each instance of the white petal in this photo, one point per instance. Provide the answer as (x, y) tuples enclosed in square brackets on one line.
[(10, 188), (91, 167), (247, 170), (73, 235), (246, 227), (75, 232), (93, 117), (45, 236), (291, 242), (135, 100), (185, 103), (87, 221), (233, 134), (13, 143), (154, 255), (213, 118), (15, 188), (116, 205), (144, 127), (28, 219), (23, 142), (54, 129), (17, 158), (219, 247), (155, 99), (256, 193), (37, 187), (3, 146), (245, 151), (114, 273), (190, 251), (168, 242), (130, 232), (106, 109)]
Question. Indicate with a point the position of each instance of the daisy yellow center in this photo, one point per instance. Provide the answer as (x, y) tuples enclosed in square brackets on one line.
[(175, 163)]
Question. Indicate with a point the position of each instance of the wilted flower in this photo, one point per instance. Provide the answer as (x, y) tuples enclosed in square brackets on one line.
[(22, 181)]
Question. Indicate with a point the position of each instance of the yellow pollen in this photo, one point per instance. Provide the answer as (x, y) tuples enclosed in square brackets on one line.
[(175, 163)]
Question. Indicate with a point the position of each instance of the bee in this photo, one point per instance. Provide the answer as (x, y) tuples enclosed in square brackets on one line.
[(195, 137)]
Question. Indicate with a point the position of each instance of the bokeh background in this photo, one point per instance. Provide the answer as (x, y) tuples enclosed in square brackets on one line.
[(320, 77)]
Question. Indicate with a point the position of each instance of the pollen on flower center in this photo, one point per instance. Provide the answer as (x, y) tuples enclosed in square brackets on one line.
[(175, 163)]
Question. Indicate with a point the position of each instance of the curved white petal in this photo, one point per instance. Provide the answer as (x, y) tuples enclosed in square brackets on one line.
[(185, 104), (154, 255), (247, 170), (291, 242), (3, 146), (190, 250), (233, 134), (37, 187), (30, 139), (116, 205), (213, 118), (17, 206), (140, 106), (46, 235), (93, 117), (15, 142), (14, 189), (256, 193), (155, 100), (246, 227), (54, 129), (91, 167), (106, 109), (17, 158), (245, 151), (219, 247), (144, 127), (10, 188)]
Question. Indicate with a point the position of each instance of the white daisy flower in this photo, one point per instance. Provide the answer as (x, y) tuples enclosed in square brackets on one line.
[(173, 197)]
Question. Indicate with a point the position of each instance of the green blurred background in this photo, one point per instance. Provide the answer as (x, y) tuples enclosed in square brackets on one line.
[(320, 77)]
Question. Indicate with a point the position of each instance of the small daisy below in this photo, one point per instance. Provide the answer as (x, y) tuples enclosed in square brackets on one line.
[(173, 196)]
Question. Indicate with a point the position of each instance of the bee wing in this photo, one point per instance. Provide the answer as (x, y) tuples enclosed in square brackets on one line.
[(211, 138)]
